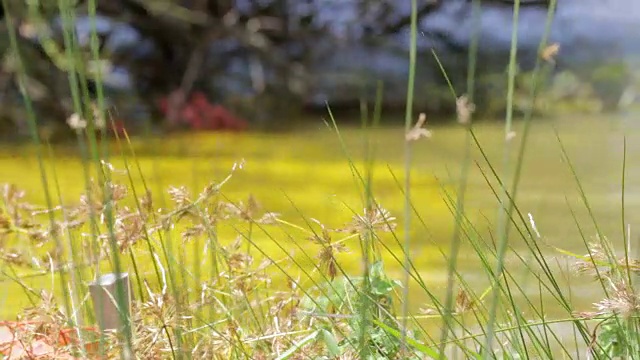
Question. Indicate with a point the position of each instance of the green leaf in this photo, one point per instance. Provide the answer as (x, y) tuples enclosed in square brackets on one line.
[(330, 342), (380, 288), (411, 342), (299, 345)]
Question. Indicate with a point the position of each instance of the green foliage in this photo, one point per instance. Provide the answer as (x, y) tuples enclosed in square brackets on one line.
[(617, 338), (614, 73), (344, 296)]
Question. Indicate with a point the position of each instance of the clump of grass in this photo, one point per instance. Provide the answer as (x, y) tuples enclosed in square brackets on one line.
[(223, 294), (260, 305), (251, 306)]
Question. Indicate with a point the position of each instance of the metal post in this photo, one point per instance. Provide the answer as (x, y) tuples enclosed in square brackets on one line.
[(105, 300)]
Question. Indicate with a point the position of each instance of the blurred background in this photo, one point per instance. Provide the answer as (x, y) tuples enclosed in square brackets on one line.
[(269, 64)]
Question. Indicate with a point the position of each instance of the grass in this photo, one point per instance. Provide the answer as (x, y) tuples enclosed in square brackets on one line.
[(276, 183), (327, 253)]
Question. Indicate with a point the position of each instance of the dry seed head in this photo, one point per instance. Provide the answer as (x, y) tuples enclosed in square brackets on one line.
[(238, 165), (597, 252), (422, 119), (11, 194), (418, 131), (108, 166), (209, 190), (620, 305), (146, 201), (14, 257), (327, 258), (269, 218), (622, 302), (427, 311), (586, 314), (464, 109), (118, 191), (98, 120), (180, 196), (129, 229), (248, 211), (5, 223), (633, 264), (324, 238), (550, 52), (193, 232), (463, 302), (584, 267), (77, 123), (230, 210), (374, 218), (39, 237), (239, 262)]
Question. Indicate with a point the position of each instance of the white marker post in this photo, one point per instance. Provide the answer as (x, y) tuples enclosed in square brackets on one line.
[(104, 294)]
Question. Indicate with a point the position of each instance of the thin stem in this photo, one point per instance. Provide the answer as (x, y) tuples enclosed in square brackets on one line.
[(407, 166)]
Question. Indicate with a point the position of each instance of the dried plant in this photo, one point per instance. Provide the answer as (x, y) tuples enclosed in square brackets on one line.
[(464, 303), (464, 109), (418, 131), (622, 300), (550, 52), (327, 256), (374, 218), (241, 288)]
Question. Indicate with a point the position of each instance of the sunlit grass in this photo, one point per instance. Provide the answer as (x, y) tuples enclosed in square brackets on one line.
[(306, 173), (288, 174)]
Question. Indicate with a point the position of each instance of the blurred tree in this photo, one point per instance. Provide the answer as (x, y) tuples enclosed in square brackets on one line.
[(254, 54)]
